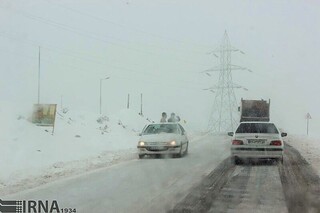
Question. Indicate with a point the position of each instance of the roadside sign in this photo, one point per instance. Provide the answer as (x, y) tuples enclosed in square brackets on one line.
[(308, 116), (44, 114)]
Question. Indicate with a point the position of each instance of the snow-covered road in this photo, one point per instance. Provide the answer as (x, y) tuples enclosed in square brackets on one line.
[(203, 181), (258, 186), (136, 185)]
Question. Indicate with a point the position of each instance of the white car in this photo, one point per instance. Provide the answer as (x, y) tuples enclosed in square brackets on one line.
[(257, 140), (163, 138)]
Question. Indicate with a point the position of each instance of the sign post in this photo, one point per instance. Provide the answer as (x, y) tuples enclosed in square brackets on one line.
[(308, 117)]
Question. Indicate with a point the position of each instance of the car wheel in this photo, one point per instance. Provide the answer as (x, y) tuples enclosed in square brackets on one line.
[(186, 152), (141, 156), (237, 161), (179, 155), (280, 160)]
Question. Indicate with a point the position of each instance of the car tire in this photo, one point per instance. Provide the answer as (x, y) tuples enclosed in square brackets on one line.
[(141, 156), (179, 155), (237, 161), (186, 152), (280, 160)]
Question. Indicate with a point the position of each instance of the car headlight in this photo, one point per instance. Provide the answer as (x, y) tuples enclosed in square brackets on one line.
[(141, 143), (173, 143)]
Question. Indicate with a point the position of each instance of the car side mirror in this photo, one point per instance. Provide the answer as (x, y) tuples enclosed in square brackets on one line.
[(283, 134), (230, 133)]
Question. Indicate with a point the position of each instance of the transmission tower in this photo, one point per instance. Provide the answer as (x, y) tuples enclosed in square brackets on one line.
[(224, 116)]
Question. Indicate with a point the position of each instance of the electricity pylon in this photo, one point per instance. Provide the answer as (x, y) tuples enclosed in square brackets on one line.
[(224, 116)]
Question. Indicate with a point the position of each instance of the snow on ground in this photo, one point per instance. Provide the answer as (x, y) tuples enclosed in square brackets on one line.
[(140, 185), (308, 147), (81, 141)]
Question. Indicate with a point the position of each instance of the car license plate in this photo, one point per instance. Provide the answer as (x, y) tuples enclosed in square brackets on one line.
[(256, 141), (156, 148)]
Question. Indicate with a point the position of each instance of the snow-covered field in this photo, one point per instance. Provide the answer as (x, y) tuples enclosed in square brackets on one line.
[(309, 148), (80, 143)]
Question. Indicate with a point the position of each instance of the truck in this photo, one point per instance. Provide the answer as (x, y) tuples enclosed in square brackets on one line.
[(254, 110)]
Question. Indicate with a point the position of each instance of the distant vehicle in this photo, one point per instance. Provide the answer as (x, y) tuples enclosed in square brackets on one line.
[(163, 138), (260, 140), (254, 110)]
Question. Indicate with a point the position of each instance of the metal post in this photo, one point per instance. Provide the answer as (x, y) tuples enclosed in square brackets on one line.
[(39, 77), (128, 101), (101, 93), (141, 106), (307, 126), (61, 103), (54, 120), (308, 117)]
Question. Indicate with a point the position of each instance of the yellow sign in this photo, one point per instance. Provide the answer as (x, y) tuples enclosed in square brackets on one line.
[(44, 114)]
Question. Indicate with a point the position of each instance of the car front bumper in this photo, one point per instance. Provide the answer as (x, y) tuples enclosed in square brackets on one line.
[(246, 152), (155, 150)]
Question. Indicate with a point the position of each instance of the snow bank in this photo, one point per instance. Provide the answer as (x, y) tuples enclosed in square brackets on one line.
[(81, 141), (308, 147)]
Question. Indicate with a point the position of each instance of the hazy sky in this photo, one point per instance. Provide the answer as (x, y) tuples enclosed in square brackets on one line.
[(159, 48)]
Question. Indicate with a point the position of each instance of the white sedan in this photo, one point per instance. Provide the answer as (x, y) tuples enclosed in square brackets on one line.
[(257, 140), (163, 138)]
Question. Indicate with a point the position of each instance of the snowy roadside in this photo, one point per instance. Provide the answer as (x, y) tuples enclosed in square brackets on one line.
[(62, 169), (82, 142), (308, 147)]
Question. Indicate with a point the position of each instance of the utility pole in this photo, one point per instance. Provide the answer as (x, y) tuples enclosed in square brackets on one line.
[(61, 103), (39, 77), (128, 101), (141, 105), (101, 91), (223, 116)]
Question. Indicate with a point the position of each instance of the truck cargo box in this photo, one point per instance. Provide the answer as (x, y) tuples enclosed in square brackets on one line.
[(254, 110)]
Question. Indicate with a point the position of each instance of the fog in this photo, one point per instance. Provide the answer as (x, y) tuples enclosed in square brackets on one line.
[(159, 48)]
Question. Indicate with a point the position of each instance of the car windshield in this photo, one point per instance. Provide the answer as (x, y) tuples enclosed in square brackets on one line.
[(160, 128), (257, 128)]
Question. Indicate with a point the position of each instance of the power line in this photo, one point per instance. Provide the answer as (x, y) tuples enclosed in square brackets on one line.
[(134, 29), (34, 58), (90, 60), (71, 53), (53, 49), (89, 35)]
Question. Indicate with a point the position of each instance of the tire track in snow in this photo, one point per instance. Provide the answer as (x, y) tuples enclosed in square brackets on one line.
[(301, 184), (289, 187), (200, 198)]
